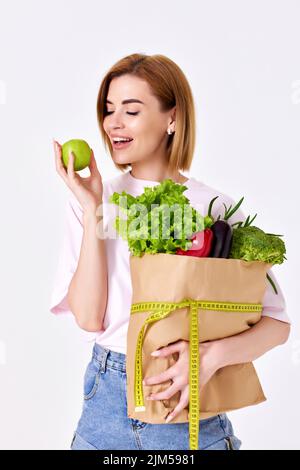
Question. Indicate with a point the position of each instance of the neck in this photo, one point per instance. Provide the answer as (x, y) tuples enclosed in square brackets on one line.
[(159, 173)]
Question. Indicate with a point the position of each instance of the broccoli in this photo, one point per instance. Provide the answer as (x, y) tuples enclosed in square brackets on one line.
[(251, 243)]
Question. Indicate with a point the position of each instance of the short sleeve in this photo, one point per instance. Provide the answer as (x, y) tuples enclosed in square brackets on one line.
[(68, 256), (274, 305)]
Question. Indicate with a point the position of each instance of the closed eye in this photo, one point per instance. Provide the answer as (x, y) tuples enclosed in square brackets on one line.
[(132, 114)]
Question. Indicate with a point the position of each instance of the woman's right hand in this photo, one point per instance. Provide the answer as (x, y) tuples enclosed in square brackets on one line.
[(88, 190)]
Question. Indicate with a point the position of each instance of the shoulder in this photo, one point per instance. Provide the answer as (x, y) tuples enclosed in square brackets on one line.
[(200, 194), (202, 190)]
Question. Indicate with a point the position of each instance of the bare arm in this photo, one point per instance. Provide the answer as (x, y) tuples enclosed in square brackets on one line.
[(249, 345), (87, 294)]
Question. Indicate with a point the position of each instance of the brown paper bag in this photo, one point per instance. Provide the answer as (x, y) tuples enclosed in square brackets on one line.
[(167, 277)]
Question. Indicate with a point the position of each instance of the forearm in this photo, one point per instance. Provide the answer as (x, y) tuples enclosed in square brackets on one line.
[(252, 343), (87, 295)]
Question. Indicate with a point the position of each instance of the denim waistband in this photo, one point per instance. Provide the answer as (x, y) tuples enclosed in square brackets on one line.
[(109, 359)]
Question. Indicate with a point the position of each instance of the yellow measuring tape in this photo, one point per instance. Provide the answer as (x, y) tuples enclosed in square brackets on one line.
[(160, 310)]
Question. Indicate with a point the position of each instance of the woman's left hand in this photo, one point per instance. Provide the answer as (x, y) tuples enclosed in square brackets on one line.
[(179, 372)]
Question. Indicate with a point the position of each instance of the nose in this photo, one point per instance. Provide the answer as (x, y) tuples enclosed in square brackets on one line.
[(115, 121)]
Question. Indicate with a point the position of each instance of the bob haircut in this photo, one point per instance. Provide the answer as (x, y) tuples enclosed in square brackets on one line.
[(170, 86)]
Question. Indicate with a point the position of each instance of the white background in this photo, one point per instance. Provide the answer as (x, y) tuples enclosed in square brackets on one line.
[(242, 61)]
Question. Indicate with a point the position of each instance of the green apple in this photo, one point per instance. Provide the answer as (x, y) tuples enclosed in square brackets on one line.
[(80, 149)]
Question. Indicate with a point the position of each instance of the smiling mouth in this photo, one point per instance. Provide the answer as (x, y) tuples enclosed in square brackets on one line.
[(120, 145)]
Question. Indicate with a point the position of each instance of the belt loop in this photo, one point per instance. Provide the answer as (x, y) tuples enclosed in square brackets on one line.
[(104, 360)]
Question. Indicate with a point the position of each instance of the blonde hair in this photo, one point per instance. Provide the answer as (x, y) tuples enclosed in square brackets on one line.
[(170, 86)]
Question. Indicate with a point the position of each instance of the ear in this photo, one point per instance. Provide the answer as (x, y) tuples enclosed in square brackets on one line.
[(172, 119), (173, 112)]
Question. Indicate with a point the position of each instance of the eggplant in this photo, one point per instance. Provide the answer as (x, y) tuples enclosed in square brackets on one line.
[(227, 243), (222, 238)]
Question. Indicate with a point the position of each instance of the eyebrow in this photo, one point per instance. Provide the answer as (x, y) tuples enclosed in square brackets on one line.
[(131, 100)]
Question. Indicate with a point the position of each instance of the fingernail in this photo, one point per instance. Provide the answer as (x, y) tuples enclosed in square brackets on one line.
[(144, 383), (169, 418), (155, 353), (149, 398)]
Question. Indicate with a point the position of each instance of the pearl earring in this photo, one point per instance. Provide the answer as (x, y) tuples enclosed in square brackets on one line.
[(169, 131)]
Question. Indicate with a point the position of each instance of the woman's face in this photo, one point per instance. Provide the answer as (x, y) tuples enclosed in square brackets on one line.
[(141, 121)]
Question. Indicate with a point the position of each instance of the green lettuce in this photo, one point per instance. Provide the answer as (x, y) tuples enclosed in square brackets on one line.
[(160, 229)]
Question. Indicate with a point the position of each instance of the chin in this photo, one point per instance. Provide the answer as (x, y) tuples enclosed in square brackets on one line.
[(123, 161), (125, 157)]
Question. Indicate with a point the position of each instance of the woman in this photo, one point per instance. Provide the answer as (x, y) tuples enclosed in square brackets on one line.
[(147, 101)]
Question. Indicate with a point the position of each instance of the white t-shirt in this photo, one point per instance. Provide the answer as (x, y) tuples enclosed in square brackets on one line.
[(115, 324)]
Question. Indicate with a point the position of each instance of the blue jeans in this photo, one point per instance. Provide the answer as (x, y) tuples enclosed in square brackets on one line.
[(104, 423)]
